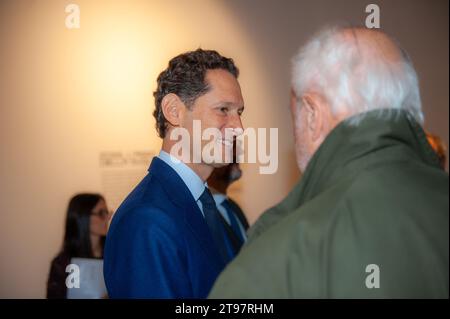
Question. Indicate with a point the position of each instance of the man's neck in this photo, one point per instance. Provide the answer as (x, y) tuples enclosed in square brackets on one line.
[(201, 169), (217, 188)]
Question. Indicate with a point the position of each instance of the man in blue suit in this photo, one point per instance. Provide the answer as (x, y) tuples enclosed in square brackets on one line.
[(167, 240)]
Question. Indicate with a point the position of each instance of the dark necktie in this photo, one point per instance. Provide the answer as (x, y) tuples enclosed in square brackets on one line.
[(215, 224), (233, 221)]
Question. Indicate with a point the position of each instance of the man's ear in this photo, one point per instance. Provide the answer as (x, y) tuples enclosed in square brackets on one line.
[(294, 104), (314, 106), (172, 108)]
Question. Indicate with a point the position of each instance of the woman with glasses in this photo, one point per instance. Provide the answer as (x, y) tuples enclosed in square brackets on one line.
[(86, 226)]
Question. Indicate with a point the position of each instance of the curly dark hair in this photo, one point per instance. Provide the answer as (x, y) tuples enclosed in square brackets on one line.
[(185, 77)]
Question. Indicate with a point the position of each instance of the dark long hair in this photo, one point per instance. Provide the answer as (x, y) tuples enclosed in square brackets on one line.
[(77, 239)]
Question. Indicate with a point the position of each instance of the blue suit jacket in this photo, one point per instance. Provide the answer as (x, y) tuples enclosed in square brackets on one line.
[(158, 244)]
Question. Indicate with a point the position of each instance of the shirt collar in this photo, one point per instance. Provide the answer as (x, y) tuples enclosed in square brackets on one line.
[(193, 182), (219, 198)]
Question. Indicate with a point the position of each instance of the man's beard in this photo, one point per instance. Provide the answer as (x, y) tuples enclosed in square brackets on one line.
[(302, 156), (234, 174), (301, 150)]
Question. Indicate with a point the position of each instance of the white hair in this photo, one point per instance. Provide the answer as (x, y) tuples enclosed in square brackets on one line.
[(355, 78)]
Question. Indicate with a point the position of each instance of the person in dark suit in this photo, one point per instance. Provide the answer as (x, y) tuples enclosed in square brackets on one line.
[(231, 213), (166, 239)]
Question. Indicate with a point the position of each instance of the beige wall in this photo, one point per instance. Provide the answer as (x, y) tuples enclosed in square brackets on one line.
[(68, 95)]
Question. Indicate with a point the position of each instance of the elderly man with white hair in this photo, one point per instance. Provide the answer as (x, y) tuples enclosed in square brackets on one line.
[(370, 215)]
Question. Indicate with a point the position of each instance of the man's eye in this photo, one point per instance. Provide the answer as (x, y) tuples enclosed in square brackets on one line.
[(240, 112), (224, 109)]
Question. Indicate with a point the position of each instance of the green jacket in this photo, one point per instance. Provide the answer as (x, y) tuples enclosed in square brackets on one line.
[(371, 194)]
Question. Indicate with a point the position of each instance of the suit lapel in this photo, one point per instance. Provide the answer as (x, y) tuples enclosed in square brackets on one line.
[(180, 195)]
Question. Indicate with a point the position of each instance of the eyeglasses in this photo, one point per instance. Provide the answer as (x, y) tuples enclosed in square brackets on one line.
[(101, 213)]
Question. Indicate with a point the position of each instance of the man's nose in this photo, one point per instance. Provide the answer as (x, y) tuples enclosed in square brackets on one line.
[(235, 123)]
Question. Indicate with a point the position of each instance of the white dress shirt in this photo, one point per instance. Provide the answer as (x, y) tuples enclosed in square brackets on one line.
[(193, 182)]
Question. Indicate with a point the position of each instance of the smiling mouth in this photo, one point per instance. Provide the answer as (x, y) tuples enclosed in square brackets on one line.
[(225, 142)]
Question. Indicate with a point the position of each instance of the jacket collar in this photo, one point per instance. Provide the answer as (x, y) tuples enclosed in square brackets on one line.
[(194, 183), (383, 135), (179, 194)]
